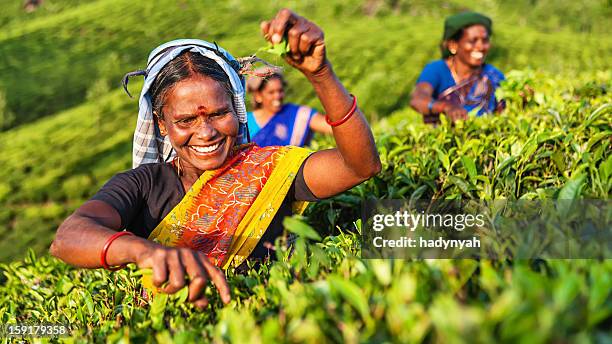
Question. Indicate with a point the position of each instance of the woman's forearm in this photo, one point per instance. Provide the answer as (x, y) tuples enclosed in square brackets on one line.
[(420, 102), (80, 239), (319, 125), (354, 138), (423, 102)]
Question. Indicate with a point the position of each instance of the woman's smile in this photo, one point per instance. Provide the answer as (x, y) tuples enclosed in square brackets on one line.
[(277, 103), (477, 55), (207, 150), (272, 95)]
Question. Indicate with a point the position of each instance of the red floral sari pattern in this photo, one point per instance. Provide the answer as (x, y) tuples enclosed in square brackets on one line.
[(214, 214)]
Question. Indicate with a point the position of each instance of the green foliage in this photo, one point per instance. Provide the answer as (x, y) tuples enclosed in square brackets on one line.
[(579, 16), (554, 147), (345, 300), (14, 14), (6, 115)]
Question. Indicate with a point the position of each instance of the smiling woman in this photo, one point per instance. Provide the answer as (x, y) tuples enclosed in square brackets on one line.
[(461, 81), (201, 197)]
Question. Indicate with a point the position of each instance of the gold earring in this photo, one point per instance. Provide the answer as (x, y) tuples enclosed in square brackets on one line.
[(179, 170)]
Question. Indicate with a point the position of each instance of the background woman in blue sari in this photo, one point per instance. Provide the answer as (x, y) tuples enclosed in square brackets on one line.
[(461, 82), (275, 123)]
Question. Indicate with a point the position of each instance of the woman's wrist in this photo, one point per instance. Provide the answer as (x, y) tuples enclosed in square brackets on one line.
[(322, 75), (430, 105), (126, 249)]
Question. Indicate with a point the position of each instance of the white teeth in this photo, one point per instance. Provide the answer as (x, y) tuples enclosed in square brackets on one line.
[(205, 149), (276, 103), (477, 55)]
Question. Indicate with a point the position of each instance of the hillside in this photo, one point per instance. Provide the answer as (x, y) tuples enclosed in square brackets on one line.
[(52, 60)]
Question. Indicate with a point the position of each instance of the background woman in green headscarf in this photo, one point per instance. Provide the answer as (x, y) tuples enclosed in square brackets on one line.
[(461, 82)]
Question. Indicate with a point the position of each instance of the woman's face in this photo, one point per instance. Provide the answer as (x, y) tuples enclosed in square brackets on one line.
[(200, 121), (271, 96), (473, 46)]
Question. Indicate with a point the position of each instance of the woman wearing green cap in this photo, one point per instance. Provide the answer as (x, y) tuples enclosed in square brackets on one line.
[(461, 82)]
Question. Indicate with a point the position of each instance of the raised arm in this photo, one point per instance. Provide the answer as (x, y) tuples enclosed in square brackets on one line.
[(355, 159), (80, 239)]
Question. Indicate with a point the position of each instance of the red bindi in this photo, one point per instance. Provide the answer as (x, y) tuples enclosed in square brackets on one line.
[(201, 110)]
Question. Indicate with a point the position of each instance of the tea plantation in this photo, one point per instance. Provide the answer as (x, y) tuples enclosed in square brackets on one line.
[(67, 129)]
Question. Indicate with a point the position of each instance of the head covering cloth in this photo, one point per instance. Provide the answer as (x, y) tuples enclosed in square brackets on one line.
[(149, 145), (455, 23)]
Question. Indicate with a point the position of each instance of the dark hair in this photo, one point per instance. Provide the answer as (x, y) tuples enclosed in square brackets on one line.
[(187, 64), (263, 84), (266, 80), (457, 36)]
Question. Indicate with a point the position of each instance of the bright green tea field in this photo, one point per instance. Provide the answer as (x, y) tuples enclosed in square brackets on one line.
[(67, 128)]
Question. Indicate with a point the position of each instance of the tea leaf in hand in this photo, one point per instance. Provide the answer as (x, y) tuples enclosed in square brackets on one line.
[(280, 49)]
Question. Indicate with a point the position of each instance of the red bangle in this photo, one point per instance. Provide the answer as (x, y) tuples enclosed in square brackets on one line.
[(346, 117), (105, 249)]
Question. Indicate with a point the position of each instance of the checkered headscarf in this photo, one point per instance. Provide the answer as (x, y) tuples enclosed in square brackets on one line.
[(149, 145)]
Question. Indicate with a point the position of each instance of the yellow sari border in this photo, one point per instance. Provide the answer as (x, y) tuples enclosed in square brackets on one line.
[(260, 214)]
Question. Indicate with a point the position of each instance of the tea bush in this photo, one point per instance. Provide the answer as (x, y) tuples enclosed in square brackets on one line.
[(324, 292)]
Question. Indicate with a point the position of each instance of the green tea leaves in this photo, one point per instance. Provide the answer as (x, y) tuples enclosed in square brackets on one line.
[(352, 294), (507, 162), (470, 166), (280, 49), (571, 189), (296, 226)]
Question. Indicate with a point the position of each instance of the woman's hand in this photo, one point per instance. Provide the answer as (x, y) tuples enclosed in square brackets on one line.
[(81, 237), (455, 112), (304, 38), (172, 265)]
